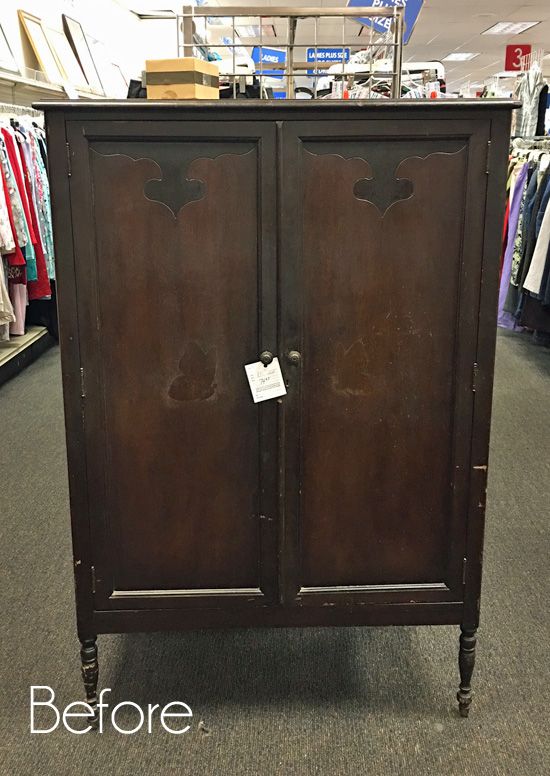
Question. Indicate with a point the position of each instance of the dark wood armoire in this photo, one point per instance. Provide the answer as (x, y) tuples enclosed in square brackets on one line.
[(357, 242)]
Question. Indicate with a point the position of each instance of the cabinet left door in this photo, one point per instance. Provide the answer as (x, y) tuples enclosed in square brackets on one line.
[(175, 270)]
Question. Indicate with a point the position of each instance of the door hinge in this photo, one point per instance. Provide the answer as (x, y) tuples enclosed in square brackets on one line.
[(92, 569), (464, 567), (487, 161), (475, 370), (82, 384), (69, 169)]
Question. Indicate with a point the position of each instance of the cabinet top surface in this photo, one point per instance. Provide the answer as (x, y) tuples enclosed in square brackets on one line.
[(348, 107)]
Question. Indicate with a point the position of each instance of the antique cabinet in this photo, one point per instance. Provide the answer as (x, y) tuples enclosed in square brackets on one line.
[(357, 242)]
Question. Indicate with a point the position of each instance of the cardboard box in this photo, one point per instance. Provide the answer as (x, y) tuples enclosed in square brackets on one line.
[(185, 78)]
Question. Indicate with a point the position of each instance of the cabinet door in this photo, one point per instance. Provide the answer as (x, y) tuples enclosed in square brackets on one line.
[(174, 239), (381, 267)]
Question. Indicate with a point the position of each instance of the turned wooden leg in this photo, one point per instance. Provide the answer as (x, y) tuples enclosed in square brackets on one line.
[(466, 662), (90, 674)]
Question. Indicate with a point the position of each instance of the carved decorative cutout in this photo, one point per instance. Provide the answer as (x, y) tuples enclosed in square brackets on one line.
[(173, 187), (350, 374), (174, 190), (198, 372), (383, 186), (383, 191)]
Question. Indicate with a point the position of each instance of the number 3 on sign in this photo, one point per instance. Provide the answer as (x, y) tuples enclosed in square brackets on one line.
[(514, 53)]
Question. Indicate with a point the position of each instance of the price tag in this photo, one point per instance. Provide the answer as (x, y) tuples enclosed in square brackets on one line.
[(266, 382)]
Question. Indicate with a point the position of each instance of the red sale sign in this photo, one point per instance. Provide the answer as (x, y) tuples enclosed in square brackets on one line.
[(514, 52)]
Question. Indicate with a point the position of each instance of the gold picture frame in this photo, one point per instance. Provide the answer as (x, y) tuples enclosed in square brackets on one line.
[(42, 50)]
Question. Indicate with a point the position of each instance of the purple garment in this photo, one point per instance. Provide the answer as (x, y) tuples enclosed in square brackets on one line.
[(506, 320)]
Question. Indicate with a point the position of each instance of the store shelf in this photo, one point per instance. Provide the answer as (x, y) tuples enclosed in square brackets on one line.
[(24, 90), (20, 351)]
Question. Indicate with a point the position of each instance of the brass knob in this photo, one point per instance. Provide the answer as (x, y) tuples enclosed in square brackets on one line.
[(266, 357), (294, 357)]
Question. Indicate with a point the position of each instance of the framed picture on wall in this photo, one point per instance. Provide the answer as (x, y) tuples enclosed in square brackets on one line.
[(76, 37), (66, 58), (7, 60), (39, 44)]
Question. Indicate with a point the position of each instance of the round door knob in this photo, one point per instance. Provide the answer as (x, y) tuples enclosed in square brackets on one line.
[(294, 357), (266, 357)]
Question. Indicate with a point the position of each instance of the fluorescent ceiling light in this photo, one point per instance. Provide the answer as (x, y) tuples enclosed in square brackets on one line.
[(459, 56), (253, 30), (509, 28)]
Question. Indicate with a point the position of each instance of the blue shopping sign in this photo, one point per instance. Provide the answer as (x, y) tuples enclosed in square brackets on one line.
[(412, 9), (270, 57), (327, 55)]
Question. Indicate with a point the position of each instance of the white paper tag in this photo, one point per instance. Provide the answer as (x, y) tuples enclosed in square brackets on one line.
[(266, 382)]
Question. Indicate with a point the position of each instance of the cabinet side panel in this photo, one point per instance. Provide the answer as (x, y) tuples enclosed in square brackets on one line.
[(487, 331), (70, 366)]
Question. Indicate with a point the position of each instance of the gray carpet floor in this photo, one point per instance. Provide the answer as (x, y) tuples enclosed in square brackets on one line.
[(316, 701)]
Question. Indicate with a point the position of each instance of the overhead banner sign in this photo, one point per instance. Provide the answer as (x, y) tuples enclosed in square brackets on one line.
[(327, 56), (412, 9), (269, 57)]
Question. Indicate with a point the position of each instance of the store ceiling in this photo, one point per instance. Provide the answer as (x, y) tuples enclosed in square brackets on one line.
[(442, 28)]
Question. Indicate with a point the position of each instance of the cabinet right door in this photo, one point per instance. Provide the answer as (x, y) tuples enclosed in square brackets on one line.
[(381, 271)]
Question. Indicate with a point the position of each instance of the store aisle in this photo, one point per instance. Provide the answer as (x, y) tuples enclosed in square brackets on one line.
[(342, 701)]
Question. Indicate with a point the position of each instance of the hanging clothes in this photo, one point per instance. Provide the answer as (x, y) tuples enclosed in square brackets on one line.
[(528, 295), (7, 241), (531, 234), (528, 90), (6, 308), (40, 287), (520, 174), (42, 201), (26, 239), (533, 279), (543, 105), (15, 208)]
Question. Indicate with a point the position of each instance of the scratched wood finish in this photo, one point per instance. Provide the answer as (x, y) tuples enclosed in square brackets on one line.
[(190, 237)]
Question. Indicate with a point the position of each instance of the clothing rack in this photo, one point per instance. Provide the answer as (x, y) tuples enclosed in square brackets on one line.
[(19, 110), (41, 329), (532, 143), (524, 298)]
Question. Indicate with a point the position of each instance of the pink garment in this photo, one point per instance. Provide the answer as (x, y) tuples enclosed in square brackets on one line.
[(18, 296)]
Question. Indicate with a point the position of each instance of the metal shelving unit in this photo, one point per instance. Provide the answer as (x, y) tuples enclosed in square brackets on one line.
[(377, 45)]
